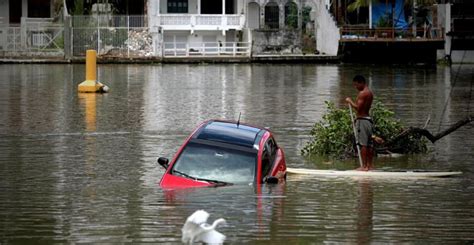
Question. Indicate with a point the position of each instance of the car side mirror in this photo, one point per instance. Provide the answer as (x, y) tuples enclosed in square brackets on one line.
[(271, 180), (163, 161)]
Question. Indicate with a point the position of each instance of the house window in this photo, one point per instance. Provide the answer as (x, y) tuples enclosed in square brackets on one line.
[(229, 7), (272, 13), (291, 15), (177, 6)]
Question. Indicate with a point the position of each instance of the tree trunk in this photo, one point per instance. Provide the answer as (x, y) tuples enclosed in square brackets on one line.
[(427, 134)]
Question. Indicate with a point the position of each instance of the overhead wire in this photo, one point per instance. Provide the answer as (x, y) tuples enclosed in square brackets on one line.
[(470, 96), (453, 84)]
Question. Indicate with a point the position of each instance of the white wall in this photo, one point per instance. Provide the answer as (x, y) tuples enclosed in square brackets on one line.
[(198, 36), (4, 12), (327, 32), (253, 16), (24, 8)]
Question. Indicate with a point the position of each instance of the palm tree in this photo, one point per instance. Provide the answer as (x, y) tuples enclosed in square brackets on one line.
[(365, 3), (357, 4)]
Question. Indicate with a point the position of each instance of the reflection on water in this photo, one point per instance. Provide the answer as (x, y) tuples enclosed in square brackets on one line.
[(89, 105), (82, 167), (365, 211)]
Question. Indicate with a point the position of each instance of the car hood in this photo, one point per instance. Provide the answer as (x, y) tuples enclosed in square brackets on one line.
[(173, 181)]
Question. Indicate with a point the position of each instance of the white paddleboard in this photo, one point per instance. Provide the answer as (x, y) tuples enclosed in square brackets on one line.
[(373, 173)]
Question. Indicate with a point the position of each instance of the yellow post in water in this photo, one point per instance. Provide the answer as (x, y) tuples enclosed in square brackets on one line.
[(91, 85)]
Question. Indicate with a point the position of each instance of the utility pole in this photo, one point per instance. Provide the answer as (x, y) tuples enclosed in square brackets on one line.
[(414, 19)]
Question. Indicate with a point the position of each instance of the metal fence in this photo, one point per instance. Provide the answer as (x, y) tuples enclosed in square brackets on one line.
[(10, 38), (34, 36), (111, 35)]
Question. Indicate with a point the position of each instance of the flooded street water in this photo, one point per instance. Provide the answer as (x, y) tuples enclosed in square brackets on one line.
[(82, 167)]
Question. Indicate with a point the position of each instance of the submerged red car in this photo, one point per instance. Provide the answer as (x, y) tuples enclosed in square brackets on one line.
[(223, 153)]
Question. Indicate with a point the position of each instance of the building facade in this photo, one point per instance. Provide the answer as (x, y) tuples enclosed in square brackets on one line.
[(30, 27), (162, 28)]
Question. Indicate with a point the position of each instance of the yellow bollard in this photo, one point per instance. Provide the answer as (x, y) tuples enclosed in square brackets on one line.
[(91, 65), (91, 85)]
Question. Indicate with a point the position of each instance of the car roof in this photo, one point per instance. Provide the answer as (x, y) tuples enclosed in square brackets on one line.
[(230, 133)]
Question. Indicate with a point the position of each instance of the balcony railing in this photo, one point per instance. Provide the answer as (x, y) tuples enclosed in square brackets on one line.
[(355, 33), (200, 22), (177, 49)]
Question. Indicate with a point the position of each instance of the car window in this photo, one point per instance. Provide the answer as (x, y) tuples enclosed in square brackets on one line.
[(268, 156), (272, 148), (217, 163)]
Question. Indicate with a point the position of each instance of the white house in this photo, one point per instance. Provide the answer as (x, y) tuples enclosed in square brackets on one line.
[(198, 26)]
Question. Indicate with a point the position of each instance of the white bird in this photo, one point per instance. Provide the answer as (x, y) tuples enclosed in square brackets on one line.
[(197, 230)]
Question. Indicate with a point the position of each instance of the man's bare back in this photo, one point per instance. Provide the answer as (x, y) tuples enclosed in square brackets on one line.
[(364, 102)]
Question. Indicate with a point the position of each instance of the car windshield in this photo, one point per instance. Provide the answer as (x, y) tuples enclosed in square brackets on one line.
[(213, 162)]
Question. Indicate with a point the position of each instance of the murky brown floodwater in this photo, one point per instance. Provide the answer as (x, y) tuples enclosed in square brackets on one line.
[(82, 167)]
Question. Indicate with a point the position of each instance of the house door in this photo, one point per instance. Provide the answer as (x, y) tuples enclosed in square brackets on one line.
[(253, 17), (229, 40)]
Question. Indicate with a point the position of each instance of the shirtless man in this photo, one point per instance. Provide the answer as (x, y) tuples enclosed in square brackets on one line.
[(364, 124)]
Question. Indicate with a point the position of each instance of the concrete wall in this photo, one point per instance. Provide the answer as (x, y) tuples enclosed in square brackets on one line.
[(24, 8), (262, 3), (443, 22), (198, 36), (276, 42), (457, 56), (4, 12)]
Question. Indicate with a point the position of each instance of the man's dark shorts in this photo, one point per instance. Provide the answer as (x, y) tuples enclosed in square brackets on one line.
[(365, 130)]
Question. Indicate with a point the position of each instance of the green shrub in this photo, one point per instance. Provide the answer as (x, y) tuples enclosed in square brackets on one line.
[(333, 136)]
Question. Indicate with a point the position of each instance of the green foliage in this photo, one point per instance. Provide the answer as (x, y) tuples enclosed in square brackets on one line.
[(59, 41), (386, 125), (78, 7), (292, 15), (333, 135), (358, 4), (306, 18), (305, 12), (384, 21)]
